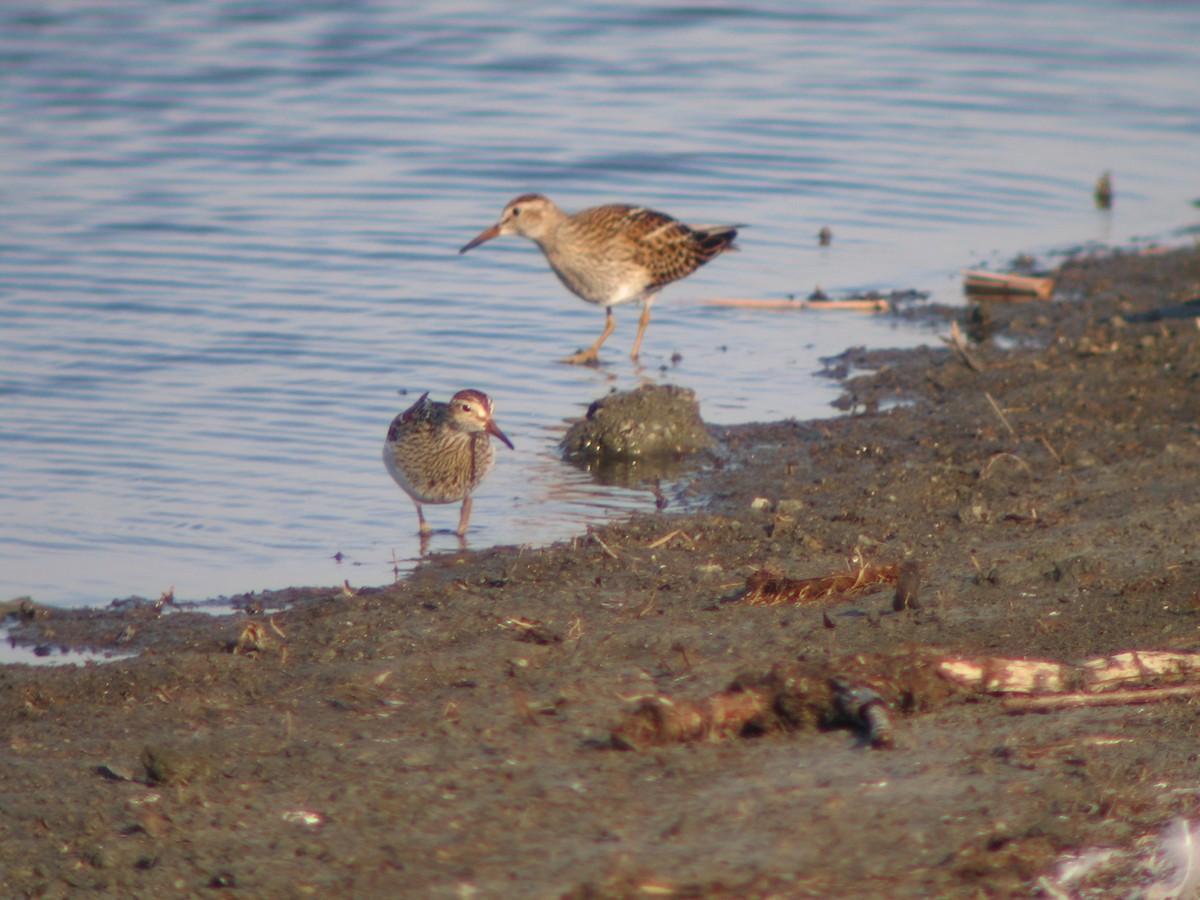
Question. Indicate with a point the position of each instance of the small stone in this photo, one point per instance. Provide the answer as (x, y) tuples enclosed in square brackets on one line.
[(169, 765), (790, 507), (651, 421)]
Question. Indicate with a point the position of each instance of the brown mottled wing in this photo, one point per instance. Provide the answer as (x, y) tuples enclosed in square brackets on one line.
[(418, 411), (670, 250)]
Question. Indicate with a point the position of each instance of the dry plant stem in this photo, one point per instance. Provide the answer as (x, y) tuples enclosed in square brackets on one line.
[(603, 546), (880, 305), (1109, 698), (959, 343), (768, 588), (1000, 413)]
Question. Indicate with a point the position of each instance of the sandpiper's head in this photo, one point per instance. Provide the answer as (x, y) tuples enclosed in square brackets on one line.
[(527, 215), (472, 411)]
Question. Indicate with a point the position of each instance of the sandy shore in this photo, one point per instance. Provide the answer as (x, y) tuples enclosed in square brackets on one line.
[(459, 734)]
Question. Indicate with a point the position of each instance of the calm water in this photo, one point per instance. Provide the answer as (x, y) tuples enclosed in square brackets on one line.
[(230, 230)]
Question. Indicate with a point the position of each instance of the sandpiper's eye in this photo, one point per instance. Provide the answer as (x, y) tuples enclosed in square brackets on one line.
[(466, 407), (516, 211)]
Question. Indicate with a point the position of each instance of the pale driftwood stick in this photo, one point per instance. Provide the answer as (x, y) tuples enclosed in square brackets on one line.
[(1141, 664), (1006, 676), (1109, 698), (879, 305), (995, 675)]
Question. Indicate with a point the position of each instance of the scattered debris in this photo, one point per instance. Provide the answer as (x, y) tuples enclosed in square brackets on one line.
[(859, 692), (530, 630), (791, 696), (173, 765), (1001, 286), (1179, 852), (305, 817), (767, 587), (1058, 685), (252, 639), (871, 301), (958, 342), (1188, 309), (1103, 193), (908, 586)]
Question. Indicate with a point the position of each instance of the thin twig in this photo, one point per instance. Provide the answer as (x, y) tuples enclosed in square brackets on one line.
[(1111, 698), (959, 343), (605, 547), (678, 532), (1053, 452), (1000, 413)]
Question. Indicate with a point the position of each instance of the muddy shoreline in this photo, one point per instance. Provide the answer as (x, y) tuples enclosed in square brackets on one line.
[(453, 734)]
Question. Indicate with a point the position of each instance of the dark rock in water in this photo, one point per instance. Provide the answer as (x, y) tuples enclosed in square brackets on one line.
[(650, 422)]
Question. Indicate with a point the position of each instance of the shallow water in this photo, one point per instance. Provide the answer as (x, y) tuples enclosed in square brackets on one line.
[(228, 255)]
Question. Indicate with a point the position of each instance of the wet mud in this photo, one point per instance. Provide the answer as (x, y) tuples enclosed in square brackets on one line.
[(749, 699)]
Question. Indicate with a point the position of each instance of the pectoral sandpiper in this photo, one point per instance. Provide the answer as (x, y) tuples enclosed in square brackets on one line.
[(441, 452), (611, 255)]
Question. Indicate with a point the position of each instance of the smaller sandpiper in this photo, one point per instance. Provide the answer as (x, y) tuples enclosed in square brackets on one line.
[(609, 255), (441, 452)]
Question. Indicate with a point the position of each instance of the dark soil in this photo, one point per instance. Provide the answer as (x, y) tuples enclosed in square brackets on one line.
[(452, 735)]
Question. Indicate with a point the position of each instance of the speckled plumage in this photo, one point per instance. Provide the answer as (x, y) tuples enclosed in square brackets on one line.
[(609, 255), (441, 452)]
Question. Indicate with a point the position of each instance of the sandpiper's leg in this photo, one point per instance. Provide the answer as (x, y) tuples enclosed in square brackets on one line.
[(464, 517), (592, 354), (424, 529), (642, 323)]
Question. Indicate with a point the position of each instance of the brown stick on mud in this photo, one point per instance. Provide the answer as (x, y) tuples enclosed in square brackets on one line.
[(1007, 285)]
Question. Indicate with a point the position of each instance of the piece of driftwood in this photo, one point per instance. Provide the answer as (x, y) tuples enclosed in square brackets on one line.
[(996, 675), (1047, 702), (789, 697), (1006, 285), (861, 691), (880, 304)]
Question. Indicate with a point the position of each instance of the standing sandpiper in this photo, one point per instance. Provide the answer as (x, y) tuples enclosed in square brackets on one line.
[(441, 452), (611, 254)]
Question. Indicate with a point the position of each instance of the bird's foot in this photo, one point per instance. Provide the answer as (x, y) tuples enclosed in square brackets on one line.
[(590, 357)]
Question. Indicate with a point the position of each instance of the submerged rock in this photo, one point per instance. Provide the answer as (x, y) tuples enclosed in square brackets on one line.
[(649, 422)]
